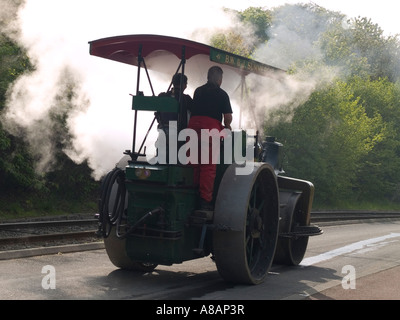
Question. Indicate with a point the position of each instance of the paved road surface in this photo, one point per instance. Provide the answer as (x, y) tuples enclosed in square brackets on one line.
[(90, 274), (384, 285)]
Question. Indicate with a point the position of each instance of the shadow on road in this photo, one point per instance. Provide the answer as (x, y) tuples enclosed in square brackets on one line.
[(282, 282)]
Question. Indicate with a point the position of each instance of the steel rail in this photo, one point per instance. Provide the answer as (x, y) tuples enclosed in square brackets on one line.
[(341, 216), (43, 238), (46, 223), (316, 216)]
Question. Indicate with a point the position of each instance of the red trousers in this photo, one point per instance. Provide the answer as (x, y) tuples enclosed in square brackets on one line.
[(204, 173)]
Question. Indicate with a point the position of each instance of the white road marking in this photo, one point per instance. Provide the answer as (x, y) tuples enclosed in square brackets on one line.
[(360, 245)]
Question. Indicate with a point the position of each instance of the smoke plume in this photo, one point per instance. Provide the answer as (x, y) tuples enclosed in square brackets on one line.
[(56, 35), (93, 93)]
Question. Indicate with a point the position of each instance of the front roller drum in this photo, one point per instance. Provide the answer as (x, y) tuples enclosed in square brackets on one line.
[(296, 197), (246, 218), (291, 247)]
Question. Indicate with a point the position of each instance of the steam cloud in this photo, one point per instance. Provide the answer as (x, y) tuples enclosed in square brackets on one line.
[(99, 117)]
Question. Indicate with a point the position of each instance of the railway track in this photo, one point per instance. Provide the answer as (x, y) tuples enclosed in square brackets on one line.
[(325, 218), (32, 234), (50, 236)]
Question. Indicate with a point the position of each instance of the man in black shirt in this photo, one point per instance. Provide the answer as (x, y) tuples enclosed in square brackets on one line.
[(165, 117), (211, 107), (168, 119)]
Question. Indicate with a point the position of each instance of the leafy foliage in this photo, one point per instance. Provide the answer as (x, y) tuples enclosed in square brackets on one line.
[(345, 137), (327, 139), (18, 177), (362, 49), (16, 164)]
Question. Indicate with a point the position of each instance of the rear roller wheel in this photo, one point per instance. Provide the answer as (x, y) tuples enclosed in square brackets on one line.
[(116, 250), (246, 219)]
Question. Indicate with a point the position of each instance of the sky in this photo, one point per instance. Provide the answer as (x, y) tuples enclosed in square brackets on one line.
[(57, 33)]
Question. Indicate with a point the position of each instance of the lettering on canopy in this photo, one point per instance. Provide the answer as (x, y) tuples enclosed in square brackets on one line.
[(236, 61)]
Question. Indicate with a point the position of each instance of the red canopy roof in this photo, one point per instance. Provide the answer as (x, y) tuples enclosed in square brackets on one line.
[(126, 48)]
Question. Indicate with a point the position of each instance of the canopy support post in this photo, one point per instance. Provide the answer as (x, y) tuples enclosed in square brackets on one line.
[(140, 60)]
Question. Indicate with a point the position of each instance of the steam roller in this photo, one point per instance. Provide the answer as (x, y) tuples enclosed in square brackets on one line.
[(148, 211)]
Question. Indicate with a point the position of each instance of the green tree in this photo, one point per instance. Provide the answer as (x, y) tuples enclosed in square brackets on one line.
[(379, 175), (16, 164), (362, 49), (68, 179), (252, 32), (326, 139), (308, 21), (345, 137), (259, 20), (19, 182)]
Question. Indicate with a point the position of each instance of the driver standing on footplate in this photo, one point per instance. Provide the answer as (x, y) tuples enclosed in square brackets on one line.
[(211, 106)]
